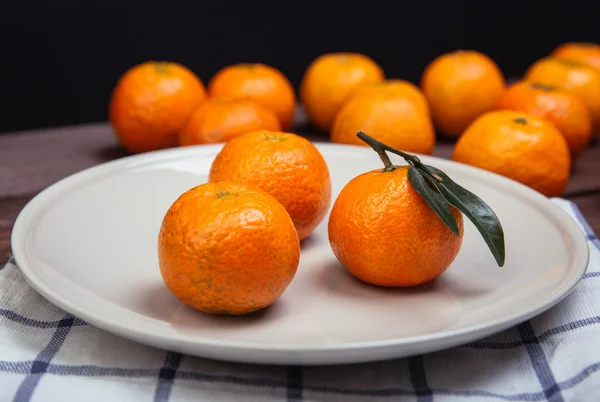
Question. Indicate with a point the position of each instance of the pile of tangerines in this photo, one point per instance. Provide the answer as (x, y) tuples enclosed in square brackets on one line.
[(520, 131), (232, 245)]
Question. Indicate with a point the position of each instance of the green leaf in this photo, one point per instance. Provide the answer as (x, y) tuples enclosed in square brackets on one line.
[(433, 198), (474, 208)]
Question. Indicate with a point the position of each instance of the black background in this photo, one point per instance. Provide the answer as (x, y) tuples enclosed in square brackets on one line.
[(60, 62)]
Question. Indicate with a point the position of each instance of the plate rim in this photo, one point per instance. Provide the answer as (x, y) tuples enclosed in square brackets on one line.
[(50, 194)]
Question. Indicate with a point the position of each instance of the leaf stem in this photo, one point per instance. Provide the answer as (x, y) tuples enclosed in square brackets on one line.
[(380, 148), (440, 192)]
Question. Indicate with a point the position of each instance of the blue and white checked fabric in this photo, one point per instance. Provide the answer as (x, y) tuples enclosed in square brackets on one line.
[(49, 355)]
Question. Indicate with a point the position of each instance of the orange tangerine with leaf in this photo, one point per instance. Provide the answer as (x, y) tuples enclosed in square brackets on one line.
[(401, 225)]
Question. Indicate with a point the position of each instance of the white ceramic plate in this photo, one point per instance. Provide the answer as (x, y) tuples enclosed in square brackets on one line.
[(88, 244)]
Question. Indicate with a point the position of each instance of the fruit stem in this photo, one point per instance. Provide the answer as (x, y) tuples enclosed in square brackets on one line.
[(521, 120), (380, 148), (161, 67), (543, 87), (389, 166)]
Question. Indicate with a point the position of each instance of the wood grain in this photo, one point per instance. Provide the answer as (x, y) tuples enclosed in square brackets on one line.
[(9, 209), (589, 204), (32, 160)]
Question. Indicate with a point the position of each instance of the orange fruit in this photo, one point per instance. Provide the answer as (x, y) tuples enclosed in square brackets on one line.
[(150, 104), (520, 146), (227, 248), (390, 118), (258, 82), (460, 86), (588, 53), (566, 111), (219, 120), (385, 234), (571, 76), (330, 79), (287, 166), (395, 86)]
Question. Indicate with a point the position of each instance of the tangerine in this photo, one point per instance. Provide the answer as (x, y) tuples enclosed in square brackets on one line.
[(460, 86), (571, 76), (520, 146), (150, 104), (395, 86), (394, 119), (566, 111), (258, 82), (220, 120), (588, 53), (227, 248), (287, 166), (330, 79), (385, 234)]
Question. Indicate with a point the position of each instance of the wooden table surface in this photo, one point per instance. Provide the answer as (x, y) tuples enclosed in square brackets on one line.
[(32, 160)]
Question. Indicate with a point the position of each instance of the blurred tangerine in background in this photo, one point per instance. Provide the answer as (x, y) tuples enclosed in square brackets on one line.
[(396, 86), (392, 118), (330, 79), (220, 120), (158, 105), (520, 146), (571, 76), (258, 82), (566, 111), (584, 52), (460, 86), (150, 104)]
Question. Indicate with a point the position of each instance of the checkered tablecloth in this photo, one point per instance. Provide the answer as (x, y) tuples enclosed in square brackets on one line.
[(49, 355)]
